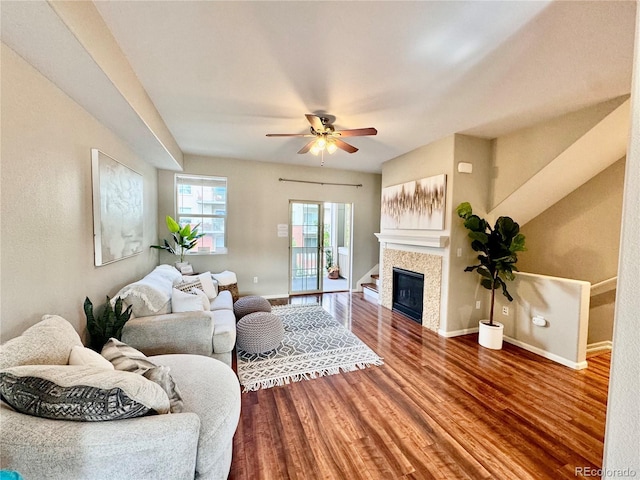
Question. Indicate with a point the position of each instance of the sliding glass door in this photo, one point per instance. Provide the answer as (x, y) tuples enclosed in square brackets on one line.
[(305, 247)]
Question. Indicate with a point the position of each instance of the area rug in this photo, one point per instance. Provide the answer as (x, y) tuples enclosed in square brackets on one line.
[(314, 345)]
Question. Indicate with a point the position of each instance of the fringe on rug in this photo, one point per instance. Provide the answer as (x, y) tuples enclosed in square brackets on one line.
[(298, 377)]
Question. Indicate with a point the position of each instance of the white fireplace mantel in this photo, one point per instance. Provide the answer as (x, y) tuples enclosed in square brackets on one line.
[(433, 241)]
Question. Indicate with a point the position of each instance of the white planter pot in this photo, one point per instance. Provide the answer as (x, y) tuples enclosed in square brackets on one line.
[(490, 337)]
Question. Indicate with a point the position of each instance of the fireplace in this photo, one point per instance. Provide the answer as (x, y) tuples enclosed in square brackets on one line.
[(408, 291)]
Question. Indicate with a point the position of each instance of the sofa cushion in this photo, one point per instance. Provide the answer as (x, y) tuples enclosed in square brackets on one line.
[(48, 342), (80, 393), (224, 301), (224, 331)]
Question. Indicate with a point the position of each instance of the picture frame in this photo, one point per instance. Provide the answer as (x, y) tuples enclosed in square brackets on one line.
[(416, 205), (117, 209)]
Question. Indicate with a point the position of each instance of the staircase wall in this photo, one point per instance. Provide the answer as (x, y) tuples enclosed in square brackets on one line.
[(519, 155)]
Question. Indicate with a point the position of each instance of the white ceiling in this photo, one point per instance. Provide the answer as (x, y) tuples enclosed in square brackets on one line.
[(223, 74)]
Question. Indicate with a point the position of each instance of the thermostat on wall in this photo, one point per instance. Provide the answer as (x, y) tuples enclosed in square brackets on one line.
[(539, 321), (465, 167)]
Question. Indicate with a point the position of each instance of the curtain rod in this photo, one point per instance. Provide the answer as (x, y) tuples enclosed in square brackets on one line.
[(357, 185)]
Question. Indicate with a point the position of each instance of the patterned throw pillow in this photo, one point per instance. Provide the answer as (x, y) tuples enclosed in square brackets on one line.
[(80, 393), (160, 375), (186, 287), (128, 359)]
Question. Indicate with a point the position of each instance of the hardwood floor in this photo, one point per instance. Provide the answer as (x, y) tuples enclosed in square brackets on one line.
[(438, 408)]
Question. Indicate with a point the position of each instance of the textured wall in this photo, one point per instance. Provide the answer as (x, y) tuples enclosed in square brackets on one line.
[(430, 266), (47, 217), (622, 435)]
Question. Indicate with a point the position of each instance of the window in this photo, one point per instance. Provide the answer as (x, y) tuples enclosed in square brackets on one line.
[(203, 200)]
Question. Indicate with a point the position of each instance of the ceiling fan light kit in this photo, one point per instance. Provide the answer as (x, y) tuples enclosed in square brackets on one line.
[(326, 137)]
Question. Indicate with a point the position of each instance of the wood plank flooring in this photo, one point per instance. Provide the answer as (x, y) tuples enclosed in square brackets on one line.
[(438, 409)]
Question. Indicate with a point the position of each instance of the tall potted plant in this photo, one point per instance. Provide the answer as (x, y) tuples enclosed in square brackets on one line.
[(498, 248), (184, 238)]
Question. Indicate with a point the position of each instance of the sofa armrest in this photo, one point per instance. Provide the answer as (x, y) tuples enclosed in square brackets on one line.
[(187, 332), (55, 449)]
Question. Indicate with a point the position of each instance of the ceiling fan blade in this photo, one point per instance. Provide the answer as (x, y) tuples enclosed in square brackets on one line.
[(307, 147), (356, 132), (290, 135), (315, 122), (344, 146)]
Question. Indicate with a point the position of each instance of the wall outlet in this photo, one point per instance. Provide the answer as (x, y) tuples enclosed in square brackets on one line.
[(478, 304), (459, 252), (505, 310), (255, 279)]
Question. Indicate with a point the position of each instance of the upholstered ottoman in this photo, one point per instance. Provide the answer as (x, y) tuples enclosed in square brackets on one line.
[(259, 332), (250, 304)]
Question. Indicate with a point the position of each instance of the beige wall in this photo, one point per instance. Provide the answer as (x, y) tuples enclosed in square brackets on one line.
[(258, 202), (457, 309), (622, 435), (47, 220), (579, 236), (523, 153), (471, 188)]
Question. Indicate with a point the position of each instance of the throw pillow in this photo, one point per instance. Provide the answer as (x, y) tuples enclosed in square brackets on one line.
[(187, 285), (47, 342), (208, 284), (161, 376), (128, 359), (86, 356), (185, 302), (206, 303), (80, 393)]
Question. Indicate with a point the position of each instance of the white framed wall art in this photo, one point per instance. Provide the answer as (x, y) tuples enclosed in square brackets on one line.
[(117, 209)]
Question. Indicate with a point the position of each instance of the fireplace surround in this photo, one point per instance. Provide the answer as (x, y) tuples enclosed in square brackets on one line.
[(429, 265)]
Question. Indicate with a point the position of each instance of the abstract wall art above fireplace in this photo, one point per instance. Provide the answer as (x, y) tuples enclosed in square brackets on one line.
[(416, 205)]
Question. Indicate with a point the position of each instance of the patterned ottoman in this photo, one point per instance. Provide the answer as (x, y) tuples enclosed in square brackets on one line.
[(250, 304), (259, 332)]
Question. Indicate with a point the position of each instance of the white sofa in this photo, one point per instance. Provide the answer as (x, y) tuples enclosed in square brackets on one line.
[(196, 443), (155, 329)]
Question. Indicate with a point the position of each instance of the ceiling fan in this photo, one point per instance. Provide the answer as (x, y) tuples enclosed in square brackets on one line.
[(326, 137)]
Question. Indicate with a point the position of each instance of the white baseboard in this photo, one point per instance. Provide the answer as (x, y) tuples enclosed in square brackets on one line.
[(551, 356), (605, 346), (271, 297), (457, 333)]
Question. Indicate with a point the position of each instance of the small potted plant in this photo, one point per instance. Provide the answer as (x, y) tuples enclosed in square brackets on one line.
[(184, 238), (498, 248), (333, 271), (108, 323)]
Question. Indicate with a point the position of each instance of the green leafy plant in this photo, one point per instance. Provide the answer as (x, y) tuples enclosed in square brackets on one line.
[(328, 259), (497, 247), (108, 323), (184, 238)]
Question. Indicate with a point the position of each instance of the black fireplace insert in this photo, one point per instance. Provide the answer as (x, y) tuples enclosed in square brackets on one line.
[(408, 291)]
